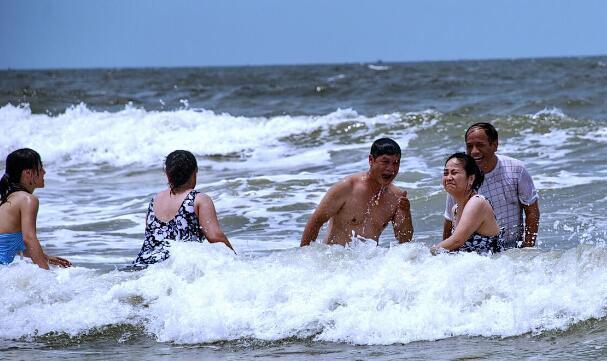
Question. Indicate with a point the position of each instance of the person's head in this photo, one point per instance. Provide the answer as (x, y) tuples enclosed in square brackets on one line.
[(481, 144), (24, 172), (180, 167), (461, 174), (384, 160)]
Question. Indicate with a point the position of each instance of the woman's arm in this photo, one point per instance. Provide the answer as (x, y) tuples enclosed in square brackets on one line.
[(33, 249), (29, 213), (207, 216), (473, 216)]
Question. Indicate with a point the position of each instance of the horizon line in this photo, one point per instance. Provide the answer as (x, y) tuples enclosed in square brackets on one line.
[(375, 62)]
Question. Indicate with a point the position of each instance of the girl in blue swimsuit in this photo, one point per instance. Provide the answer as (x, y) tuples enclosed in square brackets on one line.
[(19, 209), (475, 228), (178, 213)]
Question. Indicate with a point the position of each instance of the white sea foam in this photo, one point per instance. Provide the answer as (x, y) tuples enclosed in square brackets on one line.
[(599, 135), (134, 135), (552, 112), (564, 179), (362, 294), (378, 67), (551, 146), (335, 78)]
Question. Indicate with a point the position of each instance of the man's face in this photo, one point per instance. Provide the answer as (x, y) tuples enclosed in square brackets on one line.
[(384, 168), (481, 149)]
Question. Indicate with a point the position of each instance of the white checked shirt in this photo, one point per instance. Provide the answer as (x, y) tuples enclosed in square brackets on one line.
[(507, 186)]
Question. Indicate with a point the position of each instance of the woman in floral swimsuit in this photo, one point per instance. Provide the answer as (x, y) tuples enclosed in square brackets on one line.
[(179, 213), (475, 228)]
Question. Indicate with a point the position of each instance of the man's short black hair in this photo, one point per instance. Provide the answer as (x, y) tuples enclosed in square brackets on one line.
[(487, 127), (384, 146)]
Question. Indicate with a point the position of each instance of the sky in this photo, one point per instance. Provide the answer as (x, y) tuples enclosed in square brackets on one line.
[(38, 34)]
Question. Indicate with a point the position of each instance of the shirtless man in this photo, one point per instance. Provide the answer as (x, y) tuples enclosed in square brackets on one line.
[(364, 203)]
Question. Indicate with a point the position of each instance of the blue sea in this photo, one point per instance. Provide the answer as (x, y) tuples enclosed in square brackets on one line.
[(270, 141)]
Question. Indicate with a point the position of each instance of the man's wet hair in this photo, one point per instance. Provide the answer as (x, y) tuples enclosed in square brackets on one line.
[(487, 127), (470, 167), (179, 166), (384, 146)]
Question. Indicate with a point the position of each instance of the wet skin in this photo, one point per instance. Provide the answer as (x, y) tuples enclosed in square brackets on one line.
[(363, 205)]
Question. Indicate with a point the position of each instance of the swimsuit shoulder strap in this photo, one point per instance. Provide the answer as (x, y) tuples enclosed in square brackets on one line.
[(191, 197)]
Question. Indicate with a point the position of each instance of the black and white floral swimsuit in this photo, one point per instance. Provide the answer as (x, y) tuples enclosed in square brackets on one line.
[(184, 227), (480, 243)]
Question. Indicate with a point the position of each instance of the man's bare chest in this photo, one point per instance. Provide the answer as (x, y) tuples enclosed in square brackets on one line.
[(368, 211)]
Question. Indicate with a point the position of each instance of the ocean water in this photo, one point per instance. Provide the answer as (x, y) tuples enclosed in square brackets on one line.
[(269, 142)]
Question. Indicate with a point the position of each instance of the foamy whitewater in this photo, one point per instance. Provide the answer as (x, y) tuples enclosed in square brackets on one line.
[(266, 157), (362, 294)]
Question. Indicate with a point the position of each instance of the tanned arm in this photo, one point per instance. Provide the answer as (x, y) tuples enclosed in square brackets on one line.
[(402, 222), (207, 217), (29, 213), (532, 222), (447, 227), (471, 219), (331, 203)]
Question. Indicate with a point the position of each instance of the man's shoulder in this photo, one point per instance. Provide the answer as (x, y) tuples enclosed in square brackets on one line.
[(348, 182), (510, 163), (355, 178), (394, 189), (507, 159)]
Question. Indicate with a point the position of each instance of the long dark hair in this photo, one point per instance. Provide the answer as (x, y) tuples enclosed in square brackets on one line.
[(16, 163), (179, 166), (470, 167)]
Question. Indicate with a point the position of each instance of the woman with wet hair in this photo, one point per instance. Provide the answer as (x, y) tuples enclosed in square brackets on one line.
[(19, 209), (475, 228), (179, 212)]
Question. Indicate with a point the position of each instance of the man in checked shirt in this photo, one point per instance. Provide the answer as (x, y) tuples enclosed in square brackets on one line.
[(507, 185)]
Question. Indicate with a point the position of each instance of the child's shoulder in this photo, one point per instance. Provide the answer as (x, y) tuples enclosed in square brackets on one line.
[(22, 199), (21, 196)]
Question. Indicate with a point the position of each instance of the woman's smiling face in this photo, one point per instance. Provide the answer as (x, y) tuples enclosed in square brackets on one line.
[(455, 179)]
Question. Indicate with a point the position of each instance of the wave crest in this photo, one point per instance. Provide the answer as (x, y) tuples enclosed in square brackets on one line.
[(134, 135)]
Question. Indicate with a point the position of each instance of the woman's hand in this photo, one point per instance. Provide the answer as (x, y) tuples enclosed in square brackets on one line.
[(58, 261), (434, 250)]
